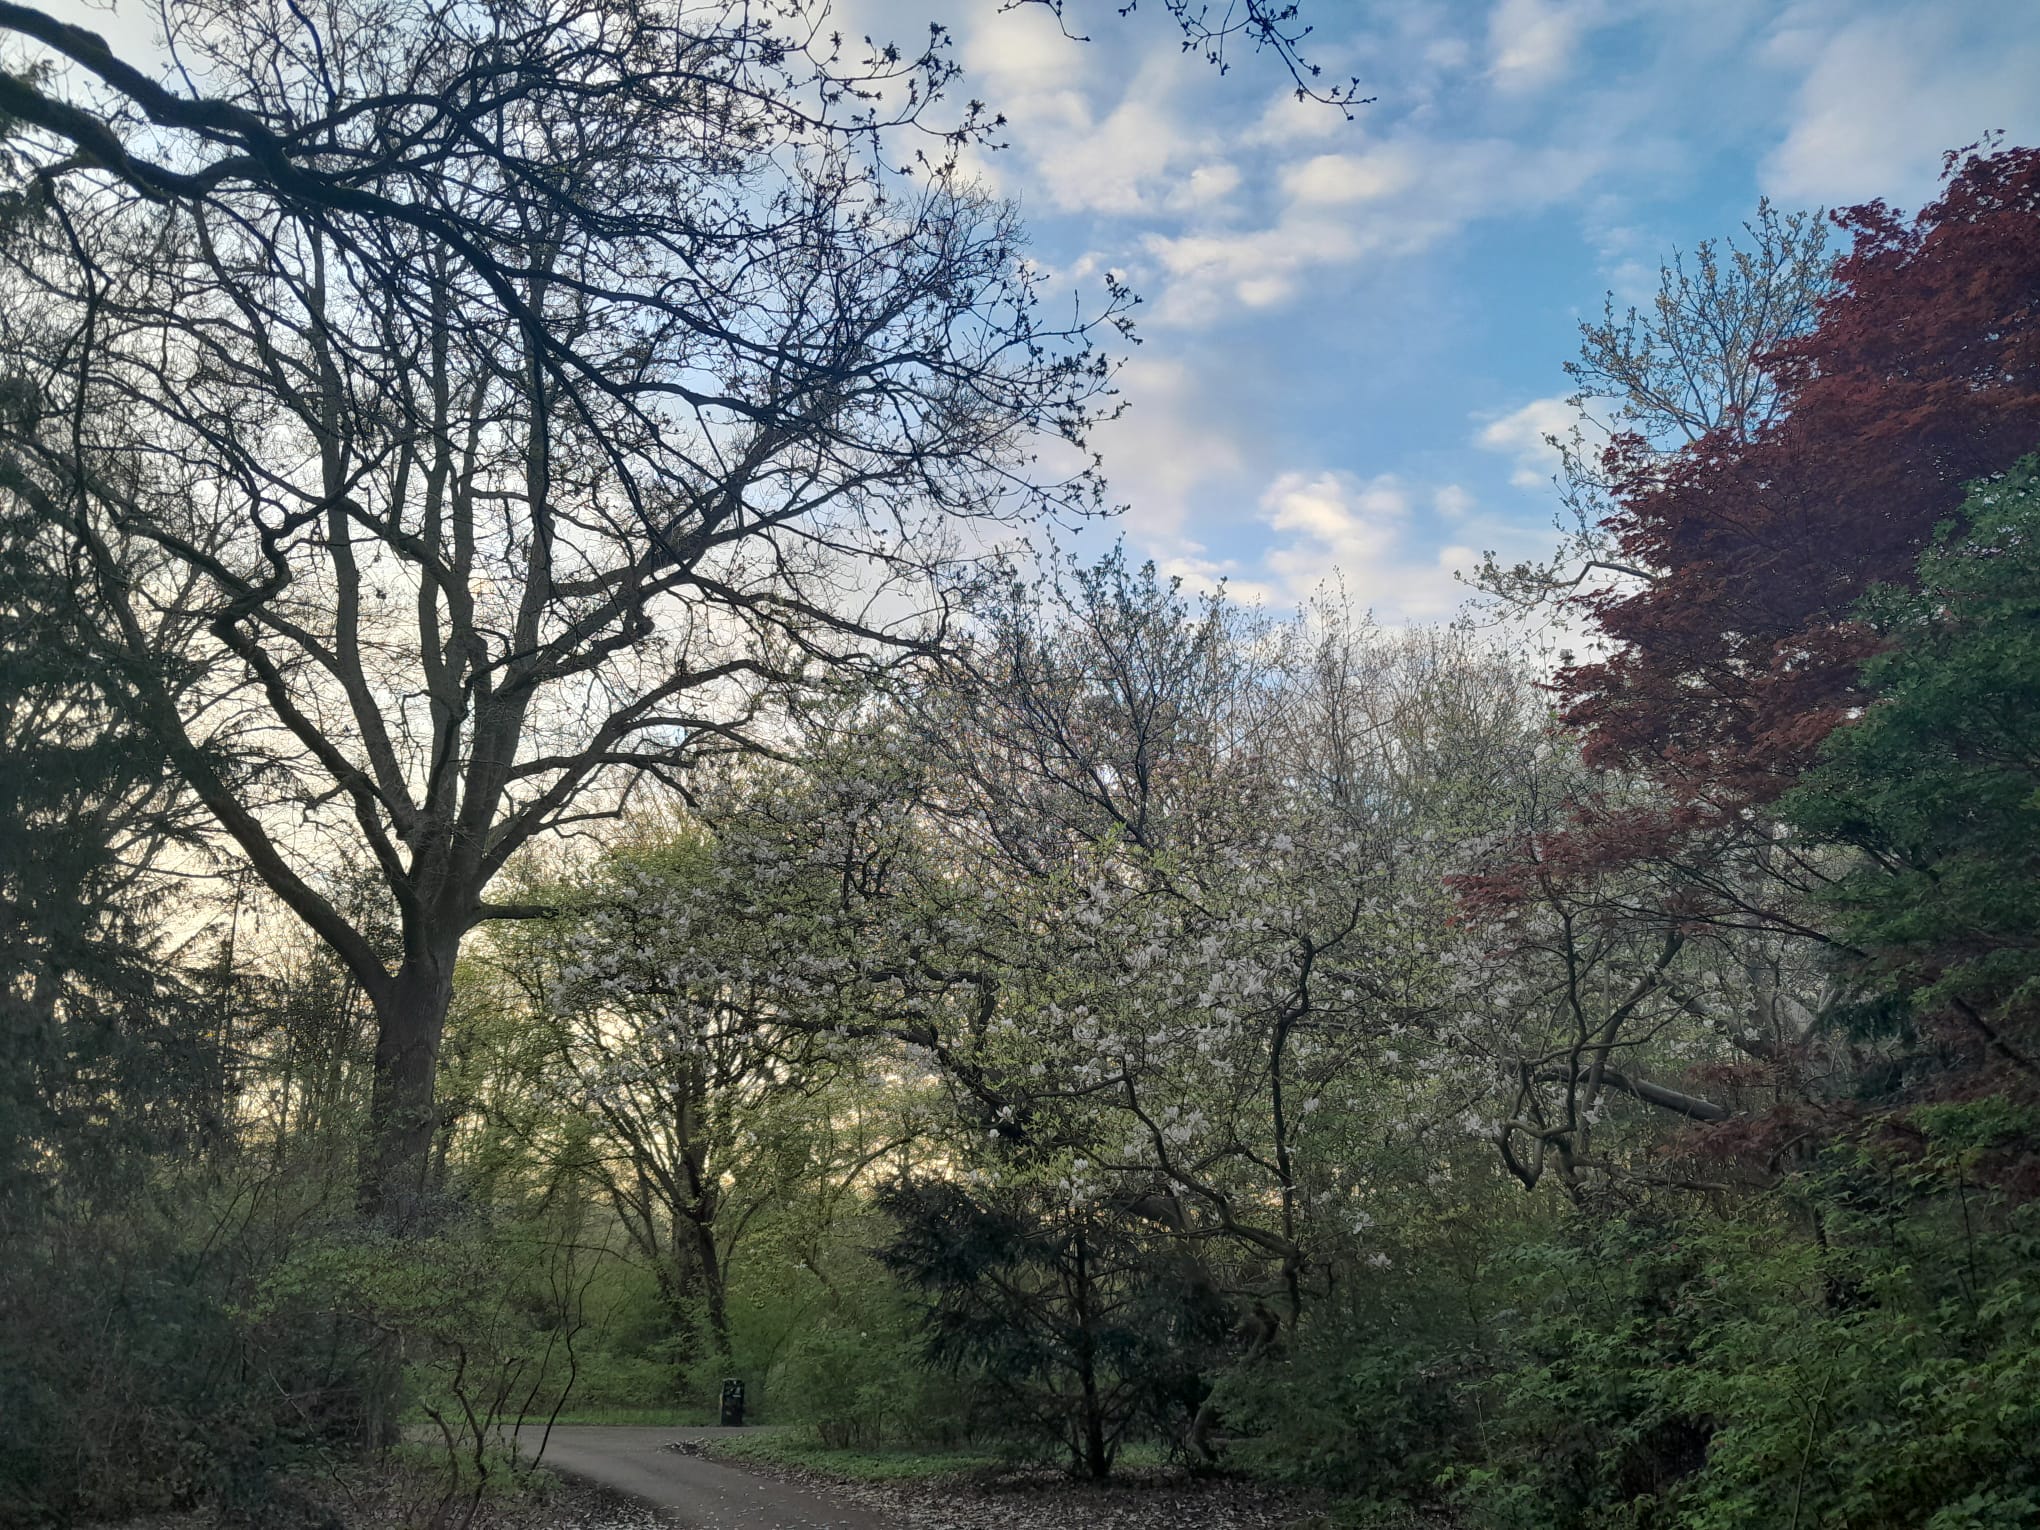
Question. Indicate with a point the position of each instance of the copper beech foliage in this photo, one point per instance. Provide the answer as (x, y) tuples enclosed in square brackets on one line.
[(1734, 652), (1740, 654)]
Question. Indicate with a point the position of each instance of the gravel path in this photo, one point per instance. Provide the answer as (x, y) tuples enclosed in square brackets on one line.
[(695, 1492)]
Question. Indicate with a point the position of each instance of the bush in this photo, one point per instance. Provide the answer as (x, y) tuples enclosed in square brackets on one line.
[(1360, 1402), (1086, 1324), (134, 1377), (194, 1349), (1705, 1375), (868, 1389)]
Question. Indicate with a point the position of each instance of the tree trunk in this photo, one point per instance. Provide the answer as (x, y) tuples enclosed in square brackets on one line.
[(1097, 1460), (397, 1158), (709, 1263)]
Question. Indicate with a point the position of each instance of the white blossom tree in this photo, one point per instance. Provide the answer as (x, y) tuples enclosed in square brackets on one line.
[(1161, 893)]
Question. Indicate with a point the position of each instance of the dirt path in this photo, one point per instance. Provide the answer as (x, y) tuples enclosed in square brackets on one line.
[(697, 1493)]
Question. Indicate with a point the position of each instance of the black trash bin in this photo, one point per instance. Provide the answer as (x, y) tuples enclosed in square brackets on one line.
[(732, 1403)]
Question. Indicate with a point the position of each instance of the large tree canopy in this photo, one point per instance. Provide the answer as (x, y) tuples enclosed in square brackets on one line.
[(488, 406)]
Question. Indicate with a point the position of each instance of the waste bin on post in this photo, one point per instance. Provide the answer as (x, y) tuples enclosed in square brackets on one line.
[(732, 1403)]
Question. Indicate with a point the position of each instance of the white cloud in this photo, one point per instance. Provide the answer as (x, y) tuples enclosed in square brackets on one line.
[(1213, 273), (1394, 200), (1335, 528), (1021, 55), (1169, 444), (1207, 185), (1204, 575), (1884, 95), (1094, 140), (1447, 54), (131, 31), (1531, 43), (1117, 165), (1359, 519), (1288, 122), (1334, 180), (1452, 502), (1523, 434)]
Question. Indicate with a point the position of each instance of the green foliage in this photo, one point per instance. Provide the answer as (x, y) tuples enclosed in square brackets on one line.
[(1938, 783), (857, 1379), (434, 1306), (1713, 1375), (1356, 1405), (1083, 1323), (1591, 1415), (851, 1388), (104, 1050), (198, 1344), (140, 1369), (1367, 1397)]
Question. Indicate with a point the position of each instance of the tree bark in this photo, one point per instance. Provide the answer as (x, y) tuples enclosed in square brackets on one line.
[(713, 1289), (397, 1157), (1097, 1460), (1688, 1105)]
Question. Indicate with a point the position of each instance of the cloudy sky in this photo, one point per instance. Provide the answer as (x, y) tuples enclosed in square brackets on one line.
[(1353, 330)]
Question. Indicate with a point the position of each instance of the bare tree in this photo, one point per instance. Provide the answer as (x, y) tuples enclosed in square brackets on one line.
[(491, 408), (1698, 361), (1217, 32)]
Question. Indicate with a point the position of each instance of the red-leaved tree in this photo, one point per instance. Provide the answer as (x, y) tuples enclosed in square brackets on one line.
[(1733, 651), (1730, 665)]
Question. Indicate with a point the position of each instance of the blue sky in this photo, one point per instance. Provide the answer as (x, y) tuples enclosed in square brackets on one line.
[(1353, 332)]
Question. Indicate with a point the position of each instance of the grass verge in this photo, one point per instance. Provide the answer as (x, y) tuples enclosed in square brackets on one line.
[(663, 1418), (791, 1446)]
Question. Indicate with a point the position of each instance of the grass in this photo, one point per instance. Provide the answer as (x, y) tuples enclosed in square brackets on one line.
[(664, 1418), (787, 1445)]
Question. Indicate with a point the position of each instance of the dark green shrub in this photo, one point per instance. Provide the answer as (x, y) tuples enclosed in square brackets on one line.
[(1084, 1323), (134, 1376), (1361, 1401), (1859, 1351)]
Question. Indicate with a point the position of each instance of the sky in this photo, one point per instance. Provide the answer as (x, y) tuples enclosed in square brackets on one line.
[(1353, 331)]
